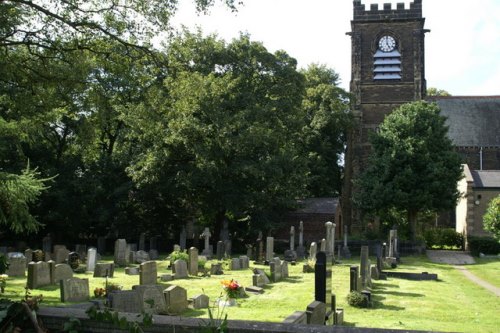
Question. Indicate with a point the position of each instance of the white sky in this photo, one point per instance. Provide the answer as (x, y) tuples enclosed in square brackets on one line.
[(462, 49)]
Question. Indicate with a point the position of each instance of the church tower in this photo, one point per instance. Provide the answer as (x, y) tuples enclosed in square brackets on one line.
[(387, 70)]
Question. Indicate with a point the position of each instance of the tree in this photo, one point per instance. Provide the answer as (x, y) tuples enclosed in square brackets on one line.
[(413, 166), (325, 107), (229, 120), (437, 92), (491, 219)]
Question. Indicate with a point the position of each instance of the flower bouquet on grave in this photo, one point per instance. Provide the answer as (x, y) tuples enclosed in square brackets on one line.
[(231, 289)]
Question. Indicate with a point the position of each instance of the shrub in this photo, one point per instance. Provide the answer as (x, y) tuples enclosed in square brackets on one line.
[(357, 299), (491, 219), (443, 237), (175, 255), (4, 264), (486, 245)]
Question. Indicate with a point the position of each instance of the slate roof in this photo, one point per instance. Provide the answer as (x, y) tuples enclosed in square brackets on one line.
[(318, 205), (474, 121), (486, 178)]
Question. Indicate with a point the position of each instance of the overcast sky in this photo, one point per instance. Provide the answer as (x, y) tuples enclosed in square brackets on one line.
[(462, 49)]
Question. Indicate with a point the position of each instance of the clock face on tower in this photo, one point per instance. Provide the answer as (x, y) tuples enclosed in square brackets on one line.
[(387, 43)]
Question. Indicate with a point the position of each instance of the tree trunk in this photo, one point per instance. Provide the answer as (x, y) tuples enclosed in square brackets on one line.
[(412, 221)]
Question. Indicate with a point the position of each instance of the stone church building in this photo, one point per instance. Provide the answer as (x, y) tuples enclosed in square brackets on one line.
[(388, 69)]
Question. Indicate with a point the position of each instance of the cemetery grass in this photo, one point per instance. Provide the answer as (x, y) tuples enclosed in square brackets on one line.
[(451, 304), (487, 269)]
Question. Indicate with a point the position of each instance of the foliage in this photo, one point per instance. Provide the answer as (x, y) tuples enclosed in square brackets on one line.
[(413, 166), (178, 255), (491, 219), (216, 323), (437, 92), (4, 263), (357, 299), (485, 245), (17, 192), (113, 317), (73, 325), (443, 237)]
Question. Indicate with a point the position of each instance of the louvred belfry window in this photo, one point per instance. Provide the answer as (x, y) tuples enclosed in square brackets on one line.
[(387, 60)]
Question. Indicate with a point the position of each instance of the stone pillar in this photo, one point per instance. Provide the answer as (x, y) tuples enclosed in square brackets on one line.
[(269, 249), (292, 238)]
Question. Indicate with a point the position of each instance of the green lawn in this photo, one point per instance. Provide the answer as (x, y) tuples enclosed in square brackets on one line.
[(451, 304)]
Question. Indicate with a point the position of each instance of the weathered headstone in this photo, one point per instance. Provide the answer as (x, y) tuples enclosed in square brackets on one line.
[(101, 245), (175, 299), (301, 251), (292, 238), (104, 269), (269, 249), (193, 261), (364, 266), (323, 283), (142, 242), (132, 270), (17, 264), (148, 273), (313, 250), (216, 269), (28, 253), (276, 269), (153, 254), (260, 278), (151, 298), (91, 259), (122, 253), (182, 238), (141, 256), (81, 249), (153, 243), (62, 272), (47, 244), (201, 301), (235, 264), (330, 238), (126, 301), (316, 312), (73, 260), (322, 245), (353, 278), (180, 269), (220, 250), (228, 244), (260, 245), (74, 290), (244, 262), (60, 254), (38, 274)]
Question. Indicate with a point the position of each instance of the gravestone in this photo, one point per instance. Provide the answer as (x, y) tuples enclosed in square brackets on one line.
[(47, 244), (298, 317), (153, 254), (142, 242), (28, 253), (193, 261), (177, 248), (180, 269), (275, 266), (104, 269), (301, 251), (323, 283), (228, 248), (101, 245), (132, 270), (60, 254), (249, 248), (182, 238), (216, 269), (316, 313), (235, 264), (224, 233), (354, 278), (393, 243), (269, 249), (151, 298), (148, 273), (81, 249), (220, 250), (17, 264), (125, 301), (364, 266), (122, 253), (175, 299), (290, 255), (261, 278), (141, 256), (91, 259), (74, 290), (201, 301), (39, 274), (260, 245), (244, 262), (73, 260), (330, 238), (153, 243), (313, 250), (322, 245), (292, 238), (206, 235), (62, 272)]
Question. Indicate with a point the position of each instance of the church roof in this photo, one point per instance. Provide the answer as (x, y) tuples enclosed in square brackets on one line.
[(474, 121), (486, 178)]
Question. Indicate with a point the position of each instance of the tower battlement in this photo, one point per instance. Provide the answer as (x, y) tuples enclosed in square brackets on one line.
[(387, 12)]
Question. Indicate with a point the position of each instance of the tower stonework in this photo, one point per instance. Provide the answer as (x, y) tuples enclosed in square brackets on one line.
[(387, 70)]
